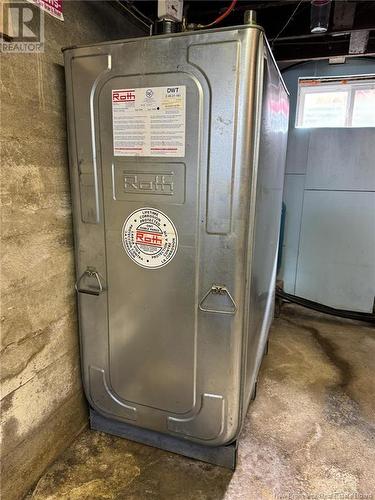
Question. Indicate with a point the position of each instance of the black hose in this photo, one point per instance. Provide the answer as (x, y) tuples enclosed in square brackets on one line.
[(341, 313)]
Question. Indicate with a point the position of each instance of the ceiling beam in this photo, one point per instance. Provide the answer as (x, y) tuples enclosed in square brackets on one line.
[(311, 48)]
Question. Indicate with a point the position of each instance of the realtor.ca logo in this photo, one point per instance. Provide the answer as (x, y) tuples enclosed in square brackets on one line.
[(22, 28)]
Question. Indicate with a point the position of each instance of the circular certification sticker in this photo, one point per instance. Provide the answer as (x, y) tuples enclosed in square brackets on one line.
[(149, 238)]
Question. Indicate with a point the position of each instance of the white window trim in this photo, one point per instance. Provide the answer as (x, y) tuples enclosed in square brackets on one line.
[(349, 84)]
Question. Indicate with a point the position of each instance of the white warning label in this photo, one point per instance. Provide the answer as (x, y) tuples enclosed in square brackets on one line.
[(149, 237), (149, 121)]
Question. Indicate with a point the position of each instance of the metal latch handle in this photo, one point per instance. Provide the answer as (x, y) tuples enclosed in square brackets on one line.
[(218, 290), (92, 273)]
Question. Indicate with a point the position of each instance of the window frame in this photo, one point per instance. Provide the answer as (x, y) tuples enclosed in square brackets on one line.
[(350, 84)]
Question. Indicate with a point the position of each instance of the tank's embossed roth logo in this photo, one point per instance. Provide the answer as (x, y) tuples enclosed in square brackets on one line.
[(149, 183)]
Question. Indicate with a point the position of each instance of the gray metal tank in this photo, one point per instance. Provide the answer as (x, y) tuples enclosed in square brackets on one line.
[(177, 149)]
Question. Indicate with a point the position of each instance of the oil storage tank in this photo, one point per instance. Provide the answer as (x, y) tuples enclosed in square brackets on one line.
[(177, 149)]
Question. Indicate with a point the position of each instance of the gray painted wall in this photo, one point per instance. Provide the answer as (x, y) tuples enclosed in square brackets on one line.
[(329, 192)]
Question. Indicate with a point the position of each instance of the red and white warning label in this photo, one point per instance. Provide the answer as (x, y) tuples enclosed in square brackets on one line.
[(150, 238), (149, 121)]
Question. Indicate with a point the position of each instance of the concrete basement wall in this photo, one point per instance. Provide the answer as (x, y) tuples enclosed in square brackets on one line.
[(42, 405)]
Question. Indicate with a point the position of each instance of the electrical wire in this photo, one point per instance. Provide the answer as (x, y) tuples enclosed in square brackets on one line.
[(131, 11), (287, 23), (134, 8), (221, 17), (341, 313)]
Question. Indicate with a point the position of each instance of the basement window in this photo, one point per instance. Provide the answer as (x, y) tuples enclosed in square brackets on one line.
[(336, 102)]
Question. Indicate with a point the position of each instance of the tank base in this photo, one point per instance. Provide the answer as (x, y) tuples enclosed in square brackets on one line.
[(224, 456)]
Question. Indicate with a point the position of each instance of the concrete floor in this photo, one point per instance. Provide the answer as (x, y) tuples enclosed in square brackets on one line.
[(309, 434)]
